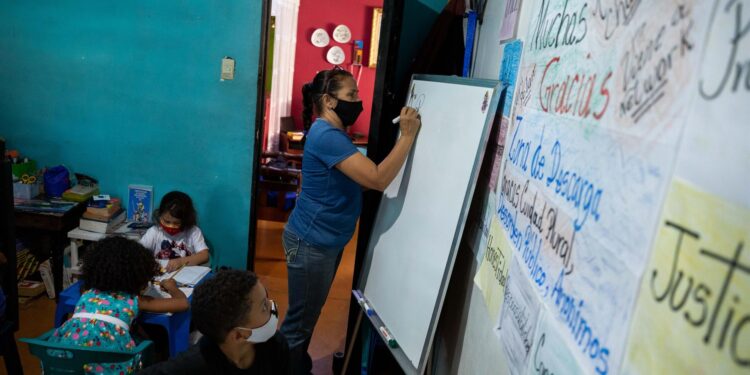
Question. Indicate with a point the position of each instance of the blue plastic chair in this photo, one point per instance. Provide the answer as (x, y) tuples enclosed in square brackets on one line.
[(66, 303), (68, 359)]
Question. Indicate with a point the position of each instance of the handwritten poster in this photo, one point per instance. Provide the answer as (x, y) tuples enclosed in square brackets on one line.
[(518, 319), (714, 151), (579, 281), (509, 71), (508, 76), (550, 355), (693, 312), (600, 108), (510, 19), (493, 271), (484, 201)]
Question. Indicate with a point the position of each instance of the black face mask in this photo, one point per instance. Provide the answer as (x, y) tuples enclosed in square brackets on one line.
[(348, 111)]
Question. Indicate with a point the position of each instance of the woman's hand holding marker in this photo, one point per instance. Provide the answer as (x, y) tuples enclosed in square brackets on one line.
[(409, 121)]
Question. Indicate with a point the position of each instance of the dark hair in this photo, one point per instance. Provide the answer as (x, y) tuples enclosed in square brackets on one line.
[(118, 264), (180, 206), (222, 303), (325, 82)]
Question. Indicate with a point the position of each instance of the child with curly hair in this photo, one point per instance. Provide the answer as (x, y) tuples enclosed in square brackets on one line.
[(116, 271), (176, 239)]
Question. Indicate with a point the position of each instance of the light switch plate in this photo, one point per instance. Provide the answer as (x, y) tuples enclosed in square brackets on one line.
[(227, 68)]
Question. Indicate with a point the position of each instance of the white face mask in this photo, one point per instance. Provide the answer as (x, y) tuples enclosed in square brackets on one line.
[(265, 332)]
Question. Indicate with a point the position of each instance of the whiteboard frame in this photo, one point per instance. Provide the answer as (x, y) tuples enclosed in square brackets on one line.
[(397, 352)]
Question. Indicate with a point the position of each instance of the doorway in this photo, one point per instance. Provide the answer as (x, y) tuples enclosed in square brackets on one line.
[(291, 58)]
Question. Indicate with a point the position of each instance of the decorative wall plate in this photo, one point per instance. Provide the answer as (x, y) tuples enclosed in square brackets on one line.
[(335, 55), (320, 38), (342, 34)]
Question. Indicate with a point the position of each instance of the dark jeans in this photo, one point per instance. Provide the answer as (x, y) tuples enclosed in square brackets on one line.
[(311, 271)]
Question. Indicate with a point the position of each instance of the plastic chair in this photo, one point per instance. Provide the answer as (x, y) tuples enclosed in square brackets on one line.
[(66, 303), (67, 359), (177, 326)]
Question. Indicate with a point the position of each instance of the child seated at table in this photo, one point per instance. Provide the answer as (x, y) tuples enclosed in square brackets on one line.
[(116, 271), (176, 238)]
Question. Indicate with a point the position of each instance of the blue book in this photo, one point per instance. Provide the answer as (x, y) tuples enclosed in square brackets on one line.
[(140, 203)]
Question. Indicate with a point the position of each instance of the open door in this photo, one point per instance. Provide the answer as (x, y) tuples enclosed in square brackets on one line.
[(277, 171)]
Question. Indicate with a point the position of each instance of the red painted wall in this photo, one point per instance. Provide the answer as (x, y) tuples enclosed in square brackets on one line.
[(327, 14)]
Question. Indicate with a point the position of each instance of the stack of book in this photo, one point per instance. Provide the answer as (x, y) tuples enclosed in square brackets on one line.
[(26, 269), (103, 215), (28, 290)]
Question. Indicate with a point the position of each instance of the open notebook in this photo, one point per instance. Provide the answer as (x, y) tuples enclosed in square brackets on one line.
[(187, 276)]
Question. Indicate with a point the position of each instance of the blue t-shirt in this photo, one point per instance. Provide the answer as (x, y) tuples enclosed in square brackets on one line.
[(329, 202)]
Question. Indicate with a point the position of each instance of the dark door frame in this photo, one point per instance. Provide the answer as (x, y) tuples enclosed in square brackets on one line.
[(260, 114), (8, 240), (387, 101)]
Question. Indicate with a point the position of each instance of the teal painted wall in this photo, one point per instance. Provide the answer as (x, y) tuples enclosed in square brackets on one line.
[(129, 92)]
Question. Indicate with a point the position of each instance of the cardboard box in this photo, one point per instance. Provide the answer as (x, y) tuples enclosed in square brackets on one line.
[(29, 288), (25, 191)]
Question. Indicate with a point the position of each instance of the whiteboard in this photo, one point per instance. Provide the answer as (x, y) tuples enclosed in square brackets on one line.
[(422, 213)]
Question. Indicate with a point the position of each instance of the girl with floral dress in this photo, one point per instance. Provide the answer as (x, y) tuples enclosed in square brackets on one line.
[(115, 273)]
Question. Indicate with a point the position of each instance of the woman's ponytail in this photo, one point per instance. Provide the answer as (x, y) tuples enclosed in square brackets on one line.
[(307, 105)]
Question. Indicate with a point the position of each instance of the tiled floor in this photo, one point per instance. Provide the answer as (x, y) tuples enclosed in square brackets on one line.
[(37, 317)]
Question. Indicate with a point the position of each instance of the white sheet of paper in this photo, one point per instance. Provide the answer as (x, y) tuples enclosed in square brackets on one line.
[(189, 275)]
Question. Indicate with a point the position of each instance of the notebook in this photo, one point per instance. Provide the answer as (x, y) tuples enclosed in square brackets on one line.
[(187, 276)]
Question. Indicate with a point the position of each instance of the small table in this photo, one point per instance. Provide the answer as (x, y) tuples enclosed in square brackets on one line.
[(53, 226), (176, 324), (84, 235)]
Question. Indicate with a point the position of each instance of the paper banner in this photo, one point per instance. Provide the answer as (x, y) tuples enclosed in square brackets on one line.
[(550, 354), (493, 271), (517, 322), (693, 311)]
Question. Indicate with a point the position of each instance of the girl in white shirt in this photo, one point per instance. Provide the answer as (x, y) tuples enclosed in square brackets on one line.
[(176, 237)]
